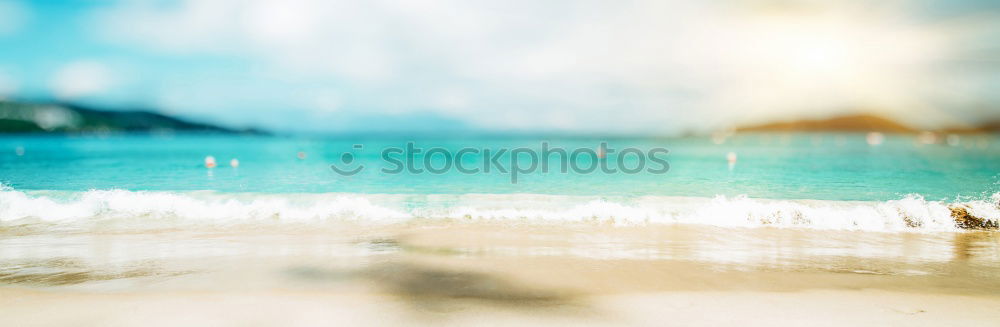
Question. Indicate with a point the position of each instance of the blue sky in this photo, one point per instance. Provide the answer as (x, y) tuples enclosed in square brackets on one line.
[(550, 66)]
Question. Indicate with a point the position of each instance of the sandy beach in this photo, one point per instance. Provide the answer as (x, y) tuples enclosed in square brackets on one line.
[(493, 273)]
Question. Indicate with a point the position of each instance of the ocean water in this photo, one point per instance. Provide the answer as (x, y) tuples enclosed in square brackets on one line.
[(808, 180), (823, 226)]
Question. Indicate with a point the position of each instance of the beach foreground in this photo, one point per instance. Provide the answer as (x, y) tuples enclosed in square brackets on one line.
[(453, 272)]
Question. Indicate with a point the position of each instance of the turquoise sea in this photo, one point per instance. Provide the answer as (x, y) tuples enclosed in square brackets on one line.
[(807, 179), (824, 226)]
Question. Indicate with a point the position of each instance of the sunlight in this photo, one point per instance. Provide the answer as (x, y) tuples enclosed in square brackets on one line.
[(783, 63)]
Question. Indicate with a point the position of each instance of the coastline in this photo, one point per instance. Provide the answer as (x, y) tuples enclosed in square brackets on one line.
[(123, 210)]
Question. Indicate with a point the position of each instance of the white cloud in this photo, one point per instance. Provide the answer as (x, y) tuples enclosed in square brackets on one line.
[(81, 78), (282, 22), (646, 65)]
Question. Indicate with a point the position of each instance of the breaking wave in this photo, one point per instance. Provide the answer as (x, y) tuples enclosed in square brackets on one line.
[(178, 209)]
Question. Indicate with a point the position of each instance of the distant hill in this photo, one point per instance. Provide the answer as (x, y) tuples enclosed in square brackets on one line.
[(21, 117), (851, 123), (989, 127)]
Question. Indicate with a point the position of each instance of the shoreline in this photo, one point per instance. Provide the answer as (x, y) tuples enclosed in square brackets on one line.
[(494, 273), (140, 211)]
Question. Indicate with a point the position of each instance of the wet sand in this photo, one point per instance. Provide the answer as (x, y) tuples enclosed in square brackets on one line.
[(493, 273)]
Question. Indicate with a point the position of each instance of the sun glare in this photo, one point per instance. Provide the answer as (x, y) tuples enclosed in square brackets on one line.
[(824, 55), (789, 62), (793, 52)]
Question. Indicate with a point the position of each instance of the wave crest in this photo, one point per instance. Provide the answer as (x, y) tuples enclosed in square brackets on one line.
[(911, 213)]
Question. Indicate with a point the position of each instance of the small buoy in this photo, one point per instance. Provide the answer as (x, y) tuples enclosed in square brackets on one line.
[(234, 163), (210, 162), (953, 139), (301, 155), (927, 138), (19, 151), (874, 138)]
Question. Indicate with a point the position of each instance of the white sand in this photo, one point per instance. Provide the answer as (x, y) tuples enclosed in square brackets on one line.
[(488, 274)]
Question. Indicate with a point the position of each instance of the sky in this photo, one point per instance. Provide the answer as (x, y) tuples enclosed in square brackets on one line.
[(576, 66)]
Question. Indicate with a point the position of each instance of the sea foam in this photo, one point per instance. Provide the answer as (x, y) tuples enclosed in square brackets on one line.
[(177, 209)]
